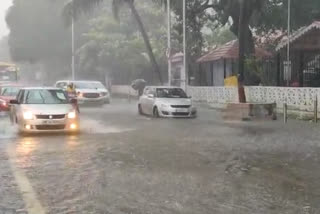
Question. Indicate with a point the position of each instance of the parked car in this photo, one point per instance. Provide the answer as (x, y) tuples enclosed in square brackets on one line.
[(87, 92), (44, 110), (7, 93), (166, 102)]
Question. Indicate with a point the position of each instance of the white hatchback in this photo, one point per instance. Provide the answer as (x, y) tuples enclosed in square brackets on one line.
[(44, 110), (166, 102)]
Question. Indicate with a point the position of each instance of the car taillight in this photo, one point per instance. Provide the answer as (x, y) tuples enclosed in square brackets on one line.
[(3, 103)]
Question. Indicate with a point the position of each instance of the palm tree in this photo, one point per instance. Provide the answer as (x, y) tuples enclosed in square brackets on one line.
[(76, 7)]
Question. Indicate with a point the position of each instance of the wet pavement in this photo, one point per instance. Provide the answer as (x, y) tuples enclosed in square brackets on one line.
[(123, 163)]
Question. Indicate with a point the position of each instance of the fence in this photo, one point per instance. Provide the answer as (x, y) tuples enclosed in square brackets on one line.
[(297, 98)]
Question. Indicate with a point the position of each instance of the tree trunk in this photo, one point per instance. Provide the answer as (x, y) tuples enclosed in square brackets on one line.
[(242, 45), (146, 39)]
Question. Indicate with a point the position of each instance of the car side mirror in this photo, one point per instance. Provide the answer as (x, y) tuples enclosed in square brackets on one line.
[(14, 102), (74, 101), (150, 96)]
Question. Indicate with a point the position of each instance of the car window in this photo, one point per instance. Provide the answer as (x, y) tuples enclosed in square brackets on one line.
[(61, 84), (44, 96), (20, 96), (10, 91), (146, 91), (171, 93), (89, 85)]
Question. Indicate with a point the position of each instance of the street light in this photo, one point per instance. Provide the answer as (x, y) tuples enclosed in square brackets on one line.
[(184, 79), (169, 42), (73, 43)]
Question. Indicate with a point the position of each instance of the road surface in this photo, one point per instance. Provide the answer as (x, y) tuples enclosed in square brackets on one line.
[(123, 163)]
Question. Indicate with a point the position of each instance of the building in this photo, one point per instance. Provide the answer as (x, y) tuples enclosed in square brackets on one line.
[(222, 62), (304, 58)]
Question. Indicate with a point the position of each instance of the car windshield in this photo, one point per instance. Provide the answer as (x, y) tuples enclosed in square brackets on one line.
[(10, 91), (44, 96), (171, 93), (89, 85)]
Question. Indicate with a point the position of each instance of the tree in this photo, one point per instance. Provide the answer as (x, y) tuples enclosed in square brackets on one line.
[(76, 7), (118, 49)]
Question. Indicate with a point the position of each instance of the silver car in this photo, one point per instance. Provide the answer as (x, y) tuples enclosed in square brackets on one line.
[(88, 92), (166, 102), (44, 110)]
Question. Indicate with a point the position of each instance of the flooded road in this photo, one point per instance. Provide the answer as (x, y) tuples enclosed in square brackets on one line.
[(123, 163)]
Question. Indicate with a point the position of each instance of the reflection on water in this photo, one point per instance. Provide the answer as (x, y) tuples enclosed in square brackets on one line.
[(72, 142), (24, 150)]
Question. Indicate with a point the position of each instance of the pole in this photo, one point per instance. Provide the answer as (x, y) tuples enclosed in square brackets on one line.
[(288, 45), (169, 42), (241, 36), (316, 110), (285, 113), (73, 45), (185, 48)]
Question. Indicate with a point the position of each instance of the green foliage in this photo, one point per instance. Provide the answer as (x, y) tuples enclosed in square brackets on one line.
[(118, 48), (218, 36)]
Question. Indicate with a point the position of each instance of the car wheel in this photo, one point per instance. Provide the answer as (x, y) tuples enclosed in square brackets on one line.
[(156, 112), (140, 110)]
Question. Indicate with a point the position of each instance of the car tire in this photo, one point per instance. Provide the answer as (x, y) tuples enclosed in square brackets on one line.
[(156, 112), (140, 110)]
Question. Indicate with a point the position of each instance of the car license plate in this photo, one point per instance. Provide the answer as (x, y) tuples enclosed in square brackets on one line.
[(50, 122), (182, 110)]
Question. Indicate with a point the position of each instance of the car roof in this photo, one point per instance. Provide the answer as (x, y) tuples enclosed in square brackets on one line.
[(75, 81), (162, 87), (11, 85), (41, 88)]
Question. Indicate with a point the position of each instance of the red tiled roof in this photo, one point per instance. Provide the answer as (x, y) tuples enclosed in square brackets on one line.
[(230, 50), (299, 33)]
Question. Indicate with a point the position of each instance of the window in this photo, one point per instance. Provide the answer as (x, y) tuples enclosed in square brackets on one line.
[(10, 91), (171, 93), (43, 96)]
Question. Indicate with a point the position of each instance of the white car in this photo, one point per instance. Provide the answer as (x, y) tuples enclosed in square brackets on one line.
[(166, 102), (44, 110), (88, 92)]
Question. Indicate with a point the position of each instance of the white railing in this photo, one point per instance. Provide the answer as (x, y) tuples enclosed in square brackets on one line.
[(296, 98), (214, 94)]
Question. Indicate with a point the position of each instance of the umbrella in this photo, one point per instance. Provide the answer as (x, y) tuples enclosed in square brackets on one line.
[(138, 84)]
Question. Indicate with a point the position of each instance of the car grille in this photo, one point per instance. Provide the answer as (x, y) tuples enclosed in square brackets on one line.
[(45, 117), (180, 113), (180, 106), (50, 127), (91, 95)]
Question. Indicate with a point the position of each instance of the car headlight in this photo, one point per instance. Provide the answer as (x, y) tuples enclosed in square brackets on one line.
[(72, 115), (164, 105), (27, 115)]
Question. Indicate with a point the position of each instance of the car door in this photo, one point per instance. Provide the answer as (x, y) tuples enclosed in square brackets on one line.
[(150, 100), (15, 108), (143, 100)]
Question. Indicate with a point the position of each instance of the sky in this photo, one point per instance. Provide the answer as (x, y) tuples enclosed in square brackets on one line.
[(4, 5)]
